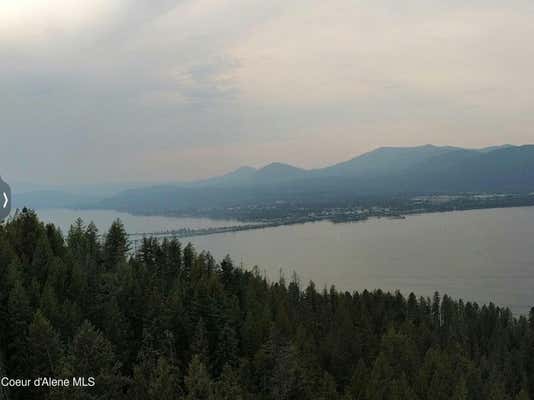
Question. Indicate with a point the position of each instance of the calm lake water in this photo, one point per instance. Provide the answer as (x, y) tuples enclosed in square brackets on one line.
[(133, 223), (483, 255)]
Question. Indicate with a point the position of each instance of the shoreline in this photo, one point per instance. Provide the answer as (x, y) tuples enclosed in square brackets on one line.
[(254, 225)]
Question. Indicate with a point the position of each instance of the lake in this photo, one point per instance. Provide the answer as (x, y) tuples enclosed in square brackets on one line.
[(482, 255), (133, 223)]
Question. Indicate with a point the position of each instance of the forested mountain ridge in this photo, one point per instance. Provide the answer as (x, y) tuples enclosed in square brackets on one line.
[(385, 172), (169, 322)]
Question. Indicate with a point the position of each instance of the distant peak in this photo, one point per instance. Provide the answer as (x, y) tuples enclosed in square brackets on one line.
[(278, 165), (277, 171), (493, 148)]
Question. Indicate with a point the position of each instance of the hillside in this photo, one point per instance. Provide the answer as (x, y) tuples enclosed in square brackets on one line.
[(171, 322), (383, 172)]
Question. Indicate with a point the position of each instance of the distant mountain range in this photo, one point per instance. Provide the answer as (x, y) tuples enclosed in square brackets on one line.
[(387, 171)]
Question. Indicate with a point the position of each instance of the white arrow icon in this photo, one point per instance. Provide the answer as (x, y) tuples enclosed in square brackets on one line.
[(6, 200)]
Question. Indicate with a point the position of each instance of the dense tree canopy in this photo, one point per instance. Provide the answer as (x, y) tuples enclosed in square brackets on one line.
[(166, 322)]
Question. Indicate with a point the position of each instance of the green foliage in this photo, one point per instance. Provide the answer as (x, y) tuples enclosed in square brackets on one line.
[(228, 386), (44, 347), (165, 383), (197, 381), (168, 322), (116, 245)]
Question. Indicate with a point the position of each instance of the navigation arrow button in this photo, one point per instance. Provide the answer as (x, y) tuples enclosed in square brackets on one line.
[(5, 200)]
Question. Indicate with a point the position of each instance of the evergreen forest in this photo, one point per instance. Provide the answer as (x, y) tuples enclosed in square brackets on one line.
[(169, 322)]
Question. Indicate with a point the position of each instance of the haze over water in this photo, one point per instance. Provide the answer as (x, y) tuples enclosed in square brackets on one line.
[(483, 255)]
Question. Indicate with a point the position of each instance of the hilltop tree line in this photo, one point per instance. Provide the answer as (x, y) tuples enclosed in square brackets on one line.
[(167, 322)]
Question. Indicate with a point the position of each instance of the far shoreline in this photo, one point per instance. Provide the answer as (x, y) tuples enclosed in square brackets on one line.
[(342, 215)]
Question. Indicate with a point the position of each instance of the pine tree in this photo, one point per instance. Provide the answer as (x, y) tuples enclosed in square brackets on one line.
[(286, 381), (326, 388), (227, 350), (436, 306), (91, 355), (45, 353), (116, 245), (227, 272), (228, 386), (497, 391), (41, 257), (380, 380), (197, 381), (358, 383), (76, 239), (165, 382), (200, 343), (460, 391), (188, 261), (93, 242), (19, 317)]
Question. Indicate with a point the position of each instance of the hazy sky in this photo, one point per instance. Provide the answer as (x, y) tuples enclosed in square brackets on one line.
[(136, 90)]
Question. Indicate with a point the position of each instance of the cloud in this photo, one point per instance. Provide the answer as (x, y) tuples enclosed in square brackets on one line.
[(129, 90)]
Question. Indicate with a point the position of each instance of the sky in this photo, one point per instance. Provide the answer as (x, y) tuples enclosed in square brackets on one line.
[(164, 90)]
